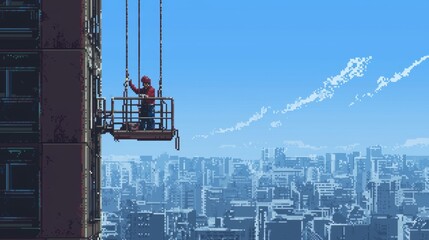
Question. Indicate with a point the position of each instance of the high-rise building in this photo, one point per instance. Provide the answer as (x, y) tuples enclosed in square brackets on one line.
[(213, 201), (420, 229), (245, 223), (266, 164), (204, 233), (279, 157), (262, 216), (146, 225), (384, 197), (241, 181), (291, 227), (49, 147), (385, 227), (374, 155), (348, 231), (337, 163), (180, 224), (313, 174), (362, 173)]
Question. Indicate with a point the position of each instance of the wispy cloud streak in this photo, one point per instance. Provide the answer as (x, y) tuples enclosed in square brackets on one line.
[(301, 144), (276, 124), (414, 142), (348, 147), (383, 82), (355, 68), (228, 146), (200, 136), (238, 126)]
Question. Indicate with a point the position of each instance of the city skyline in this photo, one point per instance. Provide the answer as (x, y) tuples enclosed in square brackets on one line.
[(370, 195), (282, 73), (320, 152)]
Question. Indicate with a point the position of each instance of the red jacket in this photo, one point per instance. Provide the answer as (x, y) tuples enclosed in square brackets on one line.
[(150, 92)]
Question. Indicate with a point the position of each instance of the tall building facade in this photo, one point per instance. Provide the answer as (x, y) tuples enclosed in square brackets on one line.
[(384, 197), (265, 164), (49, 146), (374, 154), (146, 225)]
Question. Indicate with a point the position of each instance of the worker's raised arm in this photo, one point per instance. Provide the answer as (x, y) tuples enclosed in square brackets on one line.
[(133, 87)]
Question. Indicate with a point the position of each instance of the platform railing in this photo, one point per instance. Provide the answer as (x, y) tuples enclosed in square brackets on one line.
[(124, 113)]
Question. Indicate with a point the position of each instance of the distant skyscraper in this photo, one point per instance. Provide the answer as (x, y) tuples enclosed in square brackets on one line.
[(349, 232), (205, 233), (313, 174), (374, 151), (374, 154), (385, 227), (291, 228), (265, 160), (213, 201), (362, 175), (308, 198), (384, 197), (279, 157), (262, 216), (337, 163), (426, 177), (330, 163), (247, 224), (241, 181), (420, 230), (181, 224), (145, 225), (351, 162)]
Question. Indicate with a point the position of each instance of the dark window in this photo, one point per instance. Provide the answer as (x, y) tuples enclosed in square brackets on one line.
[(2, 177), (14, 154), (19, 3), (8, 59), (24, 83), (27, 154), (2, 83), (19, 19), (18, 207), (22, 177), (26, 111)]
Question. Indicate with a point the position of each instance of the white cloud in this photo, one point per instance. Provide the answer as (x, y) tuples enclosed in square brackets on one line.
[(421, 142), (228, 146), (348, 147), (238, 126), (355, 68), (276, 124), (414, 142), (301, 144), (200, 136), (383, 82)]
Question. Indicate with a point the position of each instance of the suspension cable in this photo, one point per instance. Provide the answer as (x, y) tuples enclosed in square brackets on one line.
[(138, 30), (125, 94), (160, 49), (126, 50)]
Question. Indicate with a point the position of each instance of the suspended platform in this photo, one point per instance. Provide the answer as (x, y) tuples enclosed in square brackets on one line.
[(144, 135), (123, 120)]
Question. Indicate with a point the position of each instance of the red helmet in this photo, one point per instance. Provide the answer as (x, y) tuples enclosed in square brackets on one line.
[(145, 79)]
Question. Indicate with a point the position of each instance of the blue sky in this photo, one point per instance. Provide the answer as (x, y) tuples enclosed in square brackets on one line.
[(234, 66)]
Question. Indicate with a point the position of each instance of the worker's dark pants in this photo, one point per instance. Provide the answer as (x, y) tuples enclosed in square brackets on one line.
[(147, 113)]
